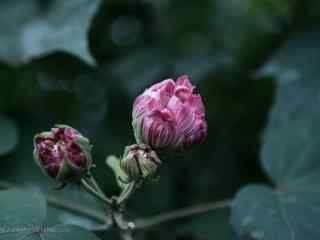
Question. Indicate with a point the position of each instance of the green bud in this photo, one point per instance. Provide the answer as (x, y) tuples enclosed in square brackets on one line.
[(139, 162)]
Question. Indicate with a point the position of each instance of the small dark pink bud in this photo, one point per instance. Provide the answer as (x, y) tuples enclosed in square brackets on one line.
[(63, 153), (170, 115)]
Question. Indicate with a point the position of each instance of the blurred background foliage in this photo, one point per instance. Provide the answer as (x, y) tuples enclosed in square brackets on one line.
[(82, 63)]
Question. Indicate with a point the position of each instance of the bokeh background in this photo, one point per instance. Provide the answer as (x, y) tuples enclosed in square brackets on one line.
[(82, 63)]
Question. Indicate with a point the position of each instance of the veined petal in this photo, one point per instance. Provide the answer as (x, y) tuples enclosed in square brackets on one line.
[(184, 88), (196, 104), (197, 135), (56, 152), (166, 85), (183, 81), (161, 92), (169, 115), (141, 106)]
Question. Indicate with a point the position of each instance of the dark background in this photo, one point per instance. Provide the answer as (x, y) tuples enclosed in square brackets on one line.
[(82, 63)]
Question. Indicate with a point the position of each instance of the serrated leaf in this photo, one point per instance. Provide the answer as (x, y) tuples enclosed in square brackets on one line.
[(32, 29), (9, 136), (290, 153)]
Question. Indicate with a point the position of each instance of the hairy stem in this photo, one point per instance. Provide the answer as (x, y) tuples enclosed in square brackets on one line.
[(96, 185), (126, 193), (94, 192)]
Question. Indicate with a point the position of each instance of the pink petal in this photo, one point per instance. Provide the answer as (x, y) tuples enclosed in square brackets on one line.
[(183, 93), (58, 133), (169, 115), (165, 115), (196, 104), (141, 106), (174, 104), (161, 92), (167, 85), (75, 154), (197, 135), (184, 88), (185, 121), (70, 134), (161, 133), (183, 81)]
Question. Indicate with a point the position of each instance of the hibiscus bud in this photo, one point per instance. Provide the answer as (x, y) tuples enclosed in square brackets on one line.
[(139, 161), (63, 153), (169, 115)]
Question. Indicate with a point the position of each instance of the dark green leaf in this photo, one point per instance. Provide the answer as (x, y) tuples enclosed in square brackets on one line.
[(32, 29), (290, 153), (22, 212)]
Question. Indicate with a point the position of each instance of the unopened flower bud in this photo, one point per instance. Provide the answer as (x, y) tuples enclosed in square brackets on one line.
[(63, 153), (169, 115), (139, 161)]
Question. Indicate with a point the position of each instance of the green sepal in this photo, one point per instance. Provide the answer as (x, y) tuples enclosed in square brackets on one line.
[(43, 135), (61, 126), (122, 178), (85, 146), (38, 162)]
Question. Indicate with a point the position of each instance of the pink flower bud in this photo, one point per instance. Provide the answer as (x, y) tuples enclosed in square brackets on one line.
[(170, 115), (63, 153)]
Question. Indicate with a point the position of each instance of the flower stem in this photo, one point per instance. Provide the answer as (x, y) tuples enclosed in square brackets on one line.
[(95, 184), (95, 192), (126, 192)]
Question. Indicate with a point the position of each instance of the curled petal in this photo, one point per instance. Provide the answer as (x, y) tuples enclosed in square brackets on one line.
[(75, 154), (162, 92), (167, 85), (184, 88), (195, 102), (183, 81), (62, 153), (140, 106), (169, 115), (197, 135)]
